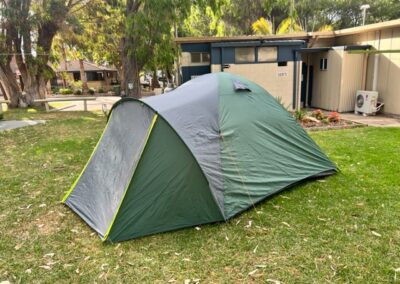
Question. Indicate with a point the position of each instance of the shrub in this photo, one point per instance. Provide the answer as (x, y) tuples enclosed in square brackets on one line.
[(318, 114), (55, 90), (300, 114), (325, 121), (92, 91), (333, 117), (1, 116), (101, 90), (78, 92), (75, 85), (66, 91)]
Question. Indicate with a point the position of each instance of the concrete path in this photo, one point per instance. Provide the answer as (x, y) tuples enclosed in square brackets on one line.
[(373, 120), (12, 124)]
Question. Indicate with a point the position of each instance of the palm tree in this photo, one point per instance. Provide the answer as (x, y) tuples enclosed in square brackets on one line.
[(262, 27), (326, 28), (291, 23)]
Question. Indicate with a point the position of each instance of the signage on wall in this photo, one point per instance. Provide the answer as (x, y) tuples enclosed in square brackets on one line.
[(282, 74)]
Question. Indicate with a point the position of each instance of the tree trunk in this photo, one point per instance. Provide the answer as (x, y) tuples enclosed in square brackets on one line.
[(154, 81), (131, 81), (131, 68), (12, 91), (169, 75), (85, 88), (64, 56)]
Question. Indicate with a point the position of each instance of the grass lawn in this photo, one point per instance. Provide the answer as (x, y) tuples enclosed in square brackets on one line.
[(345, 228)]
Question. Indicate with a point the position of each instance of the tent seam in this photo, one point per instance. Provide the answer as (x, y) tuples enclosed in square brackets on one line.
[(87, 163), (153, 122)]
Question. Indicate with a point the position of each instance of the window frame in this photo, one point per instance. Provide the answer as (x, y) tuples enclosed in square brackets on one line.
[(201, 54), (323, 64)]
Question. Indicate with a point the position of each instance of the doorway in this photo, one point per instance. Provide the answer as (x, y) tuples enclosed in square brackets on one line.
[(306, 97)]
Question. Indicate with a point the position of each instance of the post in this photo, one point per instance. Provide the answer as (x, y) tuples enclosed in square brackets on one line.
[(365, 70), (364, 8), (85, 105), (46, 104), (376, 62), (298, 92), (308, 80)]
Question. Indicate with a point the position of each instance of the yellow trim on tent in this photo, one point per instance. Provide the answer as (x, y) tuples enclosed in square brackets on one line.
[(87, 163), (153, 122)]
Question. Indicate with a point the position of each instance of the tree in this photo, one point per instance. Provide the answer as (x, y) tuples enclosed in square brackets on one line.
[(9, 86), (262, 27), (149, 23), (203, 23), (30, 26)]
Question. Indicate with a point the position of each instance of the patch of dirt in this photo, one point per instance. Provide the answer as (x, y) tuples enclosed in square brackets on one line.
[(48, 223)]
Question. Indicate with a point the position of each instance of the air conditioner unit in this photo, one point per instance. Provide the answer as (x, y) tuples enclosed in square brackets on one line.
[(366, 102)]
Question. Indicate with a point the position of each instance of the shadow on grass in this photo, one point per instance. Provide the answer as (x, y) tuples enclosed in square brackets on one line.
[(36, 113)]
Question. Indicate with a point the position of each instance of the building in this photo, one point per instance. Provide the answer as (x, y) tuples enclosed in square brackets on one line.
[(318, 69), (97, 76)]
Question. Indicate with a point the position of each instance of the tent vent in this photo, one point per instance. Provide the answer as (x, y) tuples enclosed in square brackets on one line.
[(240, 86)]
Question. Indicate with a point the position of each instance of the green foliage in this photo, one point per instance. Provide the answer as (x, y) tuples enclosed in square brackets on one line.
[(203, 22), (101, 90), (289, 25), (91, 91), (66, 91), (300, 114), (78, 92), (1, 115), (236, 17), (325, 120), (318, 114), (55, 90), (76, 85)]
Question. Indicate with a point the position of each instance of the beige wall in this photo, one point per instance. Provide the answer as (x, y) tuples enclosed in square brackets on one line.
[(278, 81), (326, 83), (335, 88), (388, 85), (351, 80), (215, 68)]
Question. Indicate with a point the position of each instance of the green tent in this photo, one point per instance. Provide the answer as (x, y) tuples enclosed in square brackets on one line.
[(202, 153)]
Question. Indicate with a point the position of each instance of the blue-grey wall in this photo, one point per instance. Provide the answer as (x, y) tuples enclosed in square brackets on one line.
[(224, 53), (189, 71), (285, 53), (195, 47)]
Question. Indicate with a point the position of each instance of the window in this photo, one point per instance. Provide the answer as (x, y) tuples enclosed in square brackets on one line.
[(199, 57), (205, 57), (94, 76), (77, 76), (245, 54), (283, 63), (195, 57), (267, 54), (323, 64)]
